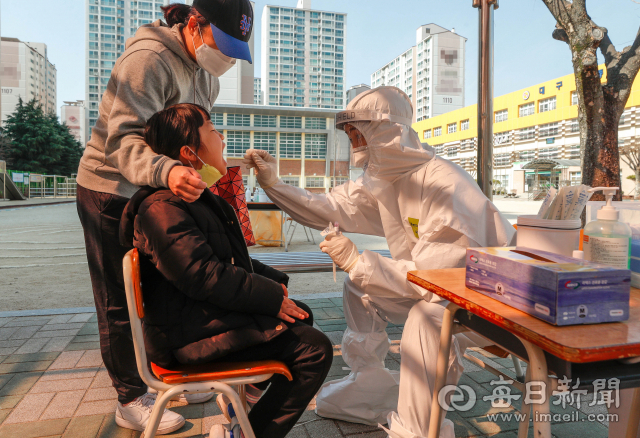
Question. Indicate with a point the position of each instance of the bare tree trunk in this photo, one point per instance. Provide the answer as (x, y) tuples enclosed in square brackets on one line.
[(636, 196), (599, 105)]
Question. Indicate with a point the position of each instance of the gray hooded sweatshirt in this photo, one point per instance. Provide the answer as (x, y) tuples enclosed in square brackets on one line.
[(154, 72)]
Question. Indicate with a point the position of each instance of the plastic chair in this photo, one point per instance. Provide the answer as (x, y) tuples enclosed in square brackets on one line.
[(216, 377)]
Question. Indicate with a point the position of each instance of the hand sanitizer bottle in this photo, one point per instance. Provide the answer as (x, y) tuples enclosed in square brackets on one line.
[(607, 240)]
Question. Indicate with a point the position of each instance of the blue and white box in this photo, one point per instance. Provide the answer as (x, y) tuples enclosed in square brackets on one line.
[(557, 289)]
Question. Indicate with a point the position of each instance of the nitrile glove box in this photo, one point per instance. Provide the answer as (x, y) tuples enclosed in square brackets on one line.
[(557, 289)]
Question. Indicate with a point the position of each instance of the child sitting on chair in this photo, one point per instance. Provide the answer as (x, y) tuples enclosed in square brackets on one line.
[(205, 299)]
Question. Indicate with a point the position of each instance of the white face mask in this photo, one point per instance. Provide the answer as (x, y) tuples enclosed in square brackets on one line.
[(359, 156), (212, 60)]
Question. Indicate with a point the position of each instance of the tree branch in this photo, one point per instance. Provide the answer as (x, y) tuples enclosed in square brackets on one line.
[(624, 71), (579, 7), (560, 35), (560, 9), (609, 51)]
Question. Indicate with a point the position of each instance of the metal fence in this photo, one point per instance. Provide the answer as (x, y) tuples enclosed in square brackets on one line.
[(33, 185)]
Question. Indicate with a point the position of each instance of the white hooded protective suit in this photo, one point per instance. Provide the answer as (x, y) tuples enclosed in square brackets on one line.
[(429, 210)]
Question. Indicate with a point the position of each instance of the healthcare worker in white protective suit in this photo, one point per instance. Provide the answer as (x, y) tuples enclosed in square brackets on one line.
[(429, 210)]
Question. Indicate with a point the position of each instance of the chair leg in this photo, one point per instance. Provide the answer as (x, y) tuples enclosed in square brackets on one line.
[(158, 409), (241, 413), (518, 368)]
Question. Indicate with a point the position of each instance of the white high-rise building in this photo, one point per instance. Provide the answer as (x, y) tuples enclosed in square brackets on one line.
[(109, 24), (257, 92), (303, 56), (73, 114), (431, 72), (27, 73)]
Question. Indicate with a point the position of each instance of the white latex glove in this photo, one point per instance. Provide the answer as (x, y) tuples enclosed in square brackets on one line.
[(341, 249), (265, 164)]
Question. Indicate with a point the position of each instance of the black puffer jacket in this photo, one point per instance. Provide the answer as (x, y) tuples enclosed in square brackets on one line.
[(204, 297)]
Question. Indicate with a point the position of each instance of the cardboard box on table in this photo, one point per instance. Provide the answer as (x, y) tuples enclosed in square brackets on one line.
[(557, 289)]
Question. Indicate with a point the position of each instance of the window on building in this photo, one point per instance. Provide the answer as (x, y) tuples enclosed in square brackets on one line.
[(527, 133), (237, 143), (290, 144), (339, 180), (437, 132), (547, 104), (238, 120), (290, 122), (439, 149), (575, 177), (574, 98), (452, 127), (468, 144), (501, 116), (315, 146), (265, 141), (549, 153), (573, 125), (572, 152), (464, 125), (502, 160), (216, 119), (452, 151), (502, 138), (548, 130), (527, 155), (527, 109), (314, 181), (426, 133), (262, 121), (291, 180), (315, 123)]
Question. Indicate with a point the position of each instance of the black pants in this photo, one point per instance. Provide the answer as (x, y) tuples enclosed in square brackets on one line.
[(100, 215), (308, 353)]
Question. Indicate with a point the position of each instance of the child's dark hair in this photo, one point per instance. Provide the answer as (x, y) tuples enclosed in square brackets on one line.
[(176, 126), (176, 13)]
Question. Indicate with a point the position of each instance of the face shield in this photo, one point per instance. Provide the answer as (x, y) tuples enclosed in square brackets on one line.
[(353, 122)]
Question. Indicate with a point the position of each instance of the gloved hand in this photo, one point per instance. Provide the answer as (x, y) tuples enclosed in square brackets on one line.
[(265, 165), (341, 249)]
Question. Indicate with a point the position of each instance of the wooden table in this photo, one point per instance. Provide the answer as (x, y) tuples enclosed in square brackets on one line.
[(587, 352)]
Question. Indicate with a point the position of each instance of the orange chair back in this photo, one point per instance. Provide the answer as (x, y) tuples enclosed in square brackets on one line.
[(137, 283)]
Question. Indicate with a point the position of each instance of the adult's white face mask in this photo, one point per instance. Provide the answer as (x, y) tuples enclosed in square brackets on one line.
[(212, 60)]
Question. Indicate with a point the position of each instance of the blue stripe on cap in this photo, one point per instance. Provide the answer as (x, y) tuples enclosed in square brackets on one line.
[(231, 46)]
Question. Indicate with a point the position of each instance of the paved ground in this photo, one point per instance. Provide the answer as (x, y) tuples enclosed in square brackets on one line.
[(53, 384)]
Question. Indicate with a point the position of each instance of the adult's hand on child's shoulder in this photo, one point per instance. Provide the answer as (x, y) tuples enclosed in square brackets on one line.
[(186, 183), (289, 309)]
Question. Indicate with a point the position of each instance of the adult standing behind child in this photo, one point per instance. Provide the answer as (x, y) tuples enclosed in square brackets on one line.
[(163, 64)]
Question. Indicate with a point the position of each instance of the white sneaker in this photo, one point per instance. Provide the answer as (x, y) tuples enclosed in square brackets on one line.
[(226, 431), (192, 399), (225, 406), (136, 414)]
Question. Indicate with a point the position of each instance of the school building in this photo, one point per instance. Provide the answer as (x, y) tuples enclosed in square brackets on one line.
[(537, 122)]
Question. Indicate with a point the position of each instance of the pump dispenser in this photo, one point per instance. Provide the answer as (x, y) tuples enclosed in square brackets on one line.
[(607, 240)]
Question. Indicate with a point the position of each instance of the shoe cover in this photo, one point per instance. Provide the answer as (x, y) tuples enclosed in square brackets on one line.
[(361, 350), (365, 396), (397, 430)]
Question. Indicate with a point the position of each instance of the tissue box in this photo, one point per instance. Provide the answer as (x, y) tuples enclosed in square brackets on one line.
[(557, 289)]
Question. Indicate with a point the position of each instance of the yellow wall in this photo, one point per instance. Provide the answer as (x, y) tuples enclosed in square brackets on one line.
[(512, 101)]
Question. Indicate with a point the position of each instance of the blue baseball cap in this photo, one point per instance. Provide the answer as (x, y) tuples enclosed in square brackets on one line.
[(231, 25)]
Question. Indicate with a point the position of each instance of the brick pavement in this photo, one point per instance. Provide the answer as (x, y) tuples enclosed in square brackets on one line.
[(53, 384)]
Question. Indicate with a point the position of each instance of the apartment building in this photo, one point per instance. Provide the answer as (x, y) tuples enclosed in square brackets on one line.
[(27, 73), (431, 72), (303, 57)]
